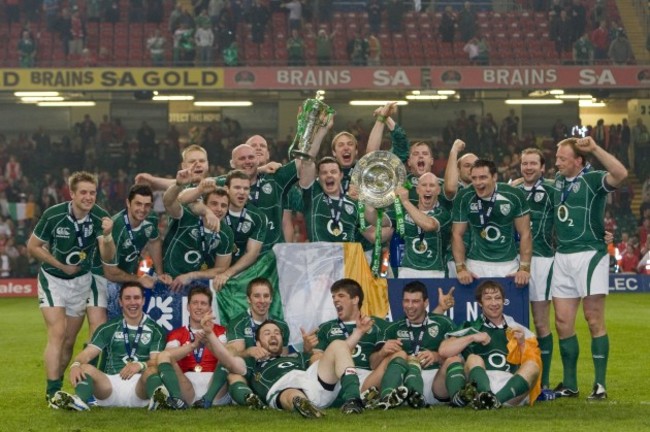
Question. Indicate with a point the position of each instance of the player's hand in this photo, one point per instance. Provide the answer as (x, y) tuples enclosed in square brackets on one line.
[(207, 185), (521, 278), (107, 226), (143, 178), (207, 322), (309, 340), (364, 324), (211, 221), (482, 338), (179, 282), (269, 168), (184, 176), (465, 277), (219, 281), (458, 146), (76, 375), (129, 370), (147, 281), (353, 192), (165, 278), (609, 237), (402, 193), (200, 338), (446, 301), (70, 269), (586, 144), (392, 346), (426, 358), (518, 335), (258, 353)]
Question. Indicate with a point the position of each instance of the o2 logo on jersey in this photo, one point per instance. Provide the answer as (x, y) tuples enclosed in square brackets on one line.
[(192, 257), (498, 361), (337, 230), (73, 258), (132, 256), (492, 234), (419, 246)]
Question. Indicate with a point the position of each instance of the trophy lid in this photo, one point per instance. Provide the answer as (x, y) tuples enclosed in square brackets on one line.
[(376, 175)]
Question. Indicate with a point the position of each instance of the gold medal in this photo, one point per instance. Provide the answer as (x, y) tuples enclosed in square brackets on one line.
[(483, 233), (82, 256), (422, 247), (204, 266), (336, 232), (235, 250), (198, 368)]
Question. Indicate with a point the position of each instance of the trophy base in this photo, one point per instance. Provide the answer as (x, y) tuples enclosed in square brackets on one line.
[(297, 154)]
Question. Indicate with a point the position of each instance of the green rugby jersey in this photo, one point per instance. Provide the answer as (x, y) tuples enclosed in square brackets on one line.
[(127, 250), (497, 242), (109, 338), (430, 252), (250, 223), (428, 335), (182, 247), (56, 227), (369, 342), (580, 220), (540, 201), (318, 216), (262, 375)]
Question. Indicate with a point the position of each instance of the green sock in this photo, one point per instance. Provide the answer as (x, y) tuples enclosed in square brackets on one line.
[(394, 375), (413, 379), (546, 347), (238, 392), (85, 388), (350, 385), (152, 383), (455, 378), (53, 386), (219, 378), (600, 354), (169, 379), (478, 376), (515, 386), (569, 352)]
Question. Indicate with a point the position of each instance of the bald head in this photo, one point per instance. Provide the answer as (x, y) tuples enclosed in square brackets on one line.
[(261, 147), (244, 158)]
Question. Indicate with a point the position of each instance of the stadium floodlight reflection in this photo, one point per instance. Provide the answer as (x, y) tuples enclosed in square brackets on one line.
[(556, 92), (67, 104), (36, 99), (575, 96), (534, 101), (223, 103), (376, 102), (36, 93), (591, 103), (172, 98), (425, 97)]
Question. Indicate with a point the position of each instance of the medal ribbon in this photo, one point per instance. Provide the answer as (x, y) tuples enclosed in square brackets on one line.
[(567, 190), (80, 230), (343, 328), (253, 324), (416, 344), (129, 231), (484, 216), (240, 223), (205, 245), (335, 214), (376, 249), (130, 351), (254, 194), (537, 184), (198, 352)]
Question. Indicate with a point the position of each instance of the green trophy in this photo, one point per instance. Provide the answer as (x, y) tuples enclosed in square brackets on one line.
[(313, 115)]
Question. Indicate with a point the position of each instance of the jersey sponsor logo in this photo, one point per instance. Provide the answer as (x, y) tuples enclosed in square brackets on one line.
[(497, 360), (349, 209), (192, 257), (73, 258), (492, 233), (126, 359), (267, 188), (63, 232), (505, 209), (419, 247), (402, 334), (335, 331), (538, 196), (132, 256), (433, 330), (473, 207)]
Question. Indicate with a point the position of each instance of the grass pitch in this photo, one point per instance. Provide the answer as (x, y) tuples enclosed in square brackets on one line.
[(22, 388)]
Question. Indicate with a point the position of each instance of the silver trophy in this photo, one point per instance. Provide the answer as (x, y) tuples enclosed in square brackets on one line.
[(376, 176), (314, 115)]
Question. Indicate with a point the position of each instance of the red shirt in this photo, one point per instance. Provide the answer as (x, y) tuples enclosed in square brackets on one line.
[(181, 336)]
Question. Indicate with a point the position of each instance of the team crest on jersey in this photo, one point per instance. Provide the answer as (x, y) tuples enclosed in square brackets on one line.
[(505, 209), (538, 196), (246, 226), (248, 332), (473, 207), (559, 184), (194, 233), (433, 330), (576, 187), (146, 338), (267, 188), (349, 209), (63, 232), (148, 230), (335, 331), (127, 244)]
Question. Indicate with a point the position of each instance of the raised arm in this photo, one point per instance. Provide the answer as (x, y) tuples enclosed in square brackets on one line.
[(451, 172)]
